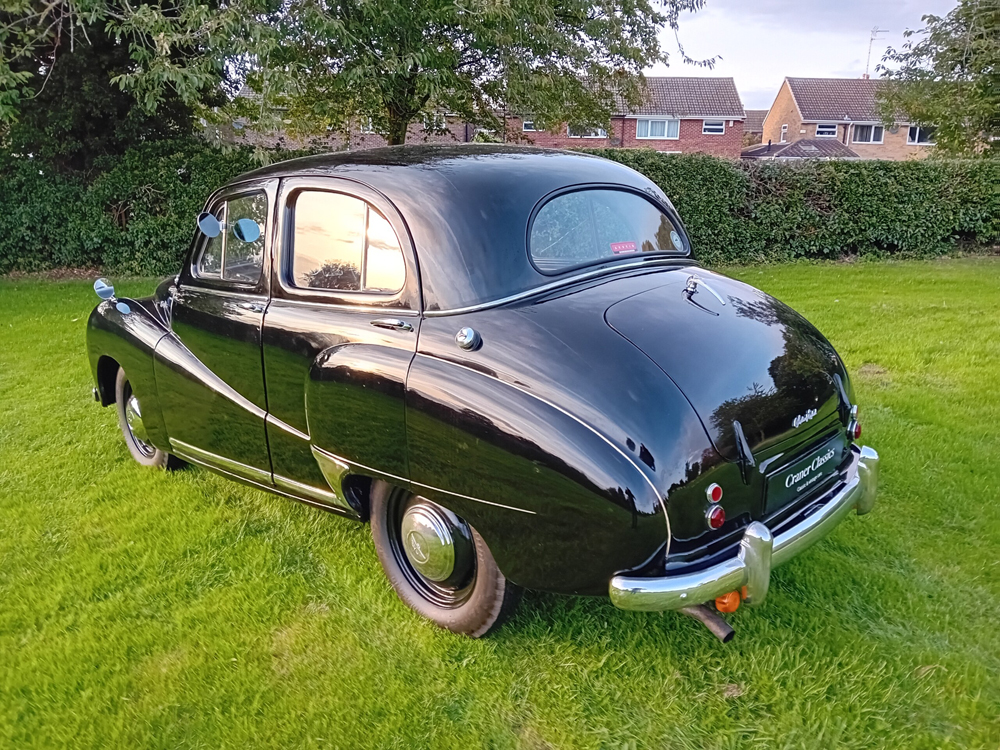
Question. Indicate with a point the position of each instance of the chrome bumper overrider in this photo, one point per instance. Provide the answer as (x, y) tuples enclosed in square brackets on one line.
[(759, 551)]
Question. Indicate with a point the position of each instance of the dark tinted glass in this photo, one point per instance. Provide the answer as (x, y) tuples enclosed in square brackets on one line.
[(593, 225)]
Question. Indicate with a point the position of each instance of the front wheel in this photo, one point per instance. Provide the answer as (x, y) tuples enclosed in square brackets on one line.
[(439, 565), (134, 430)]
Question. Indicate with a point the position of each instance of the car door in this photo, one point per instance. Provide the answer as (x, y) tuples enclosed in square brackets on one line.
[(209, 372), (339, 335)]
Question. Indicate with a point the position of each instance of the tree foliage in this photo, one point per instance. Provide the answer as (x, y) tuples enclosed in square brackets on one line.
[(948, 75), (319, 65), (323, 65)]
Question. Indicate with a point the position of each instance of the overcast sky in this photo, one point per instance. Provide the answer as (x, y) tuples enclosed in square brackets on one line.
[(762, 41)]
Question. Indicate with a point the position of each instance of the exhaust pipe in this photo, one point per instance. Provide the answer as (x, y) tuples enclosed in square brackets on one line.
[(719, 627)]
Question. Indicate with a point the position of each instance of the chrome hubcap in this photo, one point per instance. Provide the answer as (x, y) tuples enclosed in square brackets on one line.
[(428, 541), (133, 415)]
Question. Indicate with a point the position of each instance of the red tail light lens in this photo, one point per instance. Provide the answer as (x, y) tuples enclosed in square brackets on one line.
[(714, 493), (855, 430), (716, 517)]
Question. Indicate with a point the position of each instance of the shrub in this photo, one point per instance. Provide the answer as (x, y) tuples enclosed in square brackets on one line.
[(136, 216), (737, 212)]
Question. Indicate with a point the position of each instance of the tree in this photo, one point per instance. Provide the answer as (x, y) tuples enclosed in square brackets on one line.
[(324, 65), (61, 98), (319, 65), (947, 75)]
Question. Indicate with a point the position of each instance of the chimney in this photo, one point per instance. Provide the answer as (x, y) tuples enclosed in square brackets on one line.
[(768, 146), (864, 76)]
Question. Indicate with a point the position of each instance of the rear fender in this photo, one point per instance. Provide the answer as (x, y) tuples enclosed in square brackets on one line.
[(561, 507)]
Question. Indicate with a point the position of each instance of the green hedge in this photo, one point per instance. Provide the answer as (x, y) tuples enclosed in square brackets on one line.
[(137, 215), (753, 211)]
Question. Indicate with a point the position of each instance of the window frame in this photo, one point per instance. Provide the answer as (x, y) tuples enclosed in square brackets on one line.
[(854, 134), (665, 208), (666, 129), (784, 133), (917, 141), (528, 126), (406, 301), (833, 125), (706, 123), (188, 275)]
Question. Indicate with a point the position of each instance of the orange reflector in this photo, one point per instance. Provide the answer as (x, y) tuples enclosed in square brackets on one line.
[(728, 602)]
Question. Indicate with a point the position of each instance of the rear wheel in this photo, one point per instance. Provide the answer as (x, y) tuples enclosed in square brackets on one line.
[(134, 430), (439, 565)]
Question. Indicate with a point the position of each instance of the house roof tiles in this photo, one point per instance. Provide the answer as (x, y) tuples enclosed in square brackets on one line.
[(836, 99), (672, 96)]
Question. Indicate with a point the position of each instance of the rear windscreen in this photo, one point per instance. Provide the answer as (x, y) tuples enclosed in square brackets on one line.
[(585, 226)]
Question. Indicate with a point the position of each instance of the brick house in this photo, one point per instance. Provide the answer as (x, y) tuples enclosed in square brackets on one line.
[(678, 115), (846, 110)]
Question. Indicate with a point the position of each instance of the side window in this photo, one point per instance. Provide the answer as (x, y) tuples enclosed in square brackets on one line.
[(237, 253), (244, 257), (342, 243)]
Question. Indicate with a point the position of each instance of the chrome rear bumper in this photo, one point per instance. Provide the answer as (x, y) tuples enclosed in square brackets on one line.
[(759, 552)]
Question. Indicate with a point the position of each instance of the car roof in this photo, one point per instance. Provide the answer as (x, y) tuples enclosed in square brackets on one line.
[(467, 207)]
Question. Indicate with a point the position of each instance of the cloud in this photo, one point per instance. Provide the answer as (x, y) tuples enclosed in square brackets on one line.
[(762, 42)]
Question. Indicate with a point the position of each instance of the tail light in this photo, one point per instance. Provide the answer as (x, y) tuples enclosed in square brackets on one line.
[(716, 516), (854, 426)]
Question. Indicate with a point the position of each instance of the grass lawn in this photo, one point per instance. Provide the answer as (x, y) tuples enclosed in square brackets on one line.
[(146, 609)]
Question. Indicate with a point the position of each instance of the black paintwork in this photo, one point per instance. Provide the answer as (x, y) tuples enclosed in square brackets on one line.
[(578, 438)]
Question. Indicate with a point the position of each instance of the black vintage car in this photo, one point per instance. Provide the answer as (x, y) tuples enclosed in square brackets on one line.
[(506, 360)]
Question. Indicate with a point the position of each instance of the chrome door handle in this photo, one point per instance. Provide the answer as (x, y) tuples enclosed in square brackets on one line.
[(392, 323), (251, 306)]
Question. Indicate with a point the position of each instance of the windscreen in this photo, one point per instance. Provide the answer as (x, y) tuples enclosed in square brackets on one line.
[(588, 226)]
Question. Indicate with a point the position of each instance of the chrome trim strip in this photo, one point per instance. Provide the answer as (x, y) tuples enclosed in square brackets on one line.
[(312, 493), (275, 422), (475, 499), (759, 551), (575, 418), (214, 461), (171, 352), (554, 285)]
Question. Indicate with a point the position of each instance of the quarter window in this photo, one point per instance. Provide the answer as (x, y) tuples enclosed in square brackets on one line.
[(342, 243), (826, 131), (231, 255), (588, 226), (868, 133), (668, 129), (713, 127)]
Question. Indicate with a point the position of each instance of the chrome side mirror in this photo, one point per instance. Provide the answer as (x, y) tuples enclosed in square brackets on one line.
[(246, 230), (209, 225), (104, 289)]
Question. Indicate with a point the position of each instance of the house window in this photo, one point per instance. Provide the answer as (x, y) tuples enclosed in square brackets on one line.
[(586, 132), (528, 126), (435, 121), (920, 136), (365, 125), (826, 131), (668, 129), (868, 133), (784, 133), (713, 127)]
